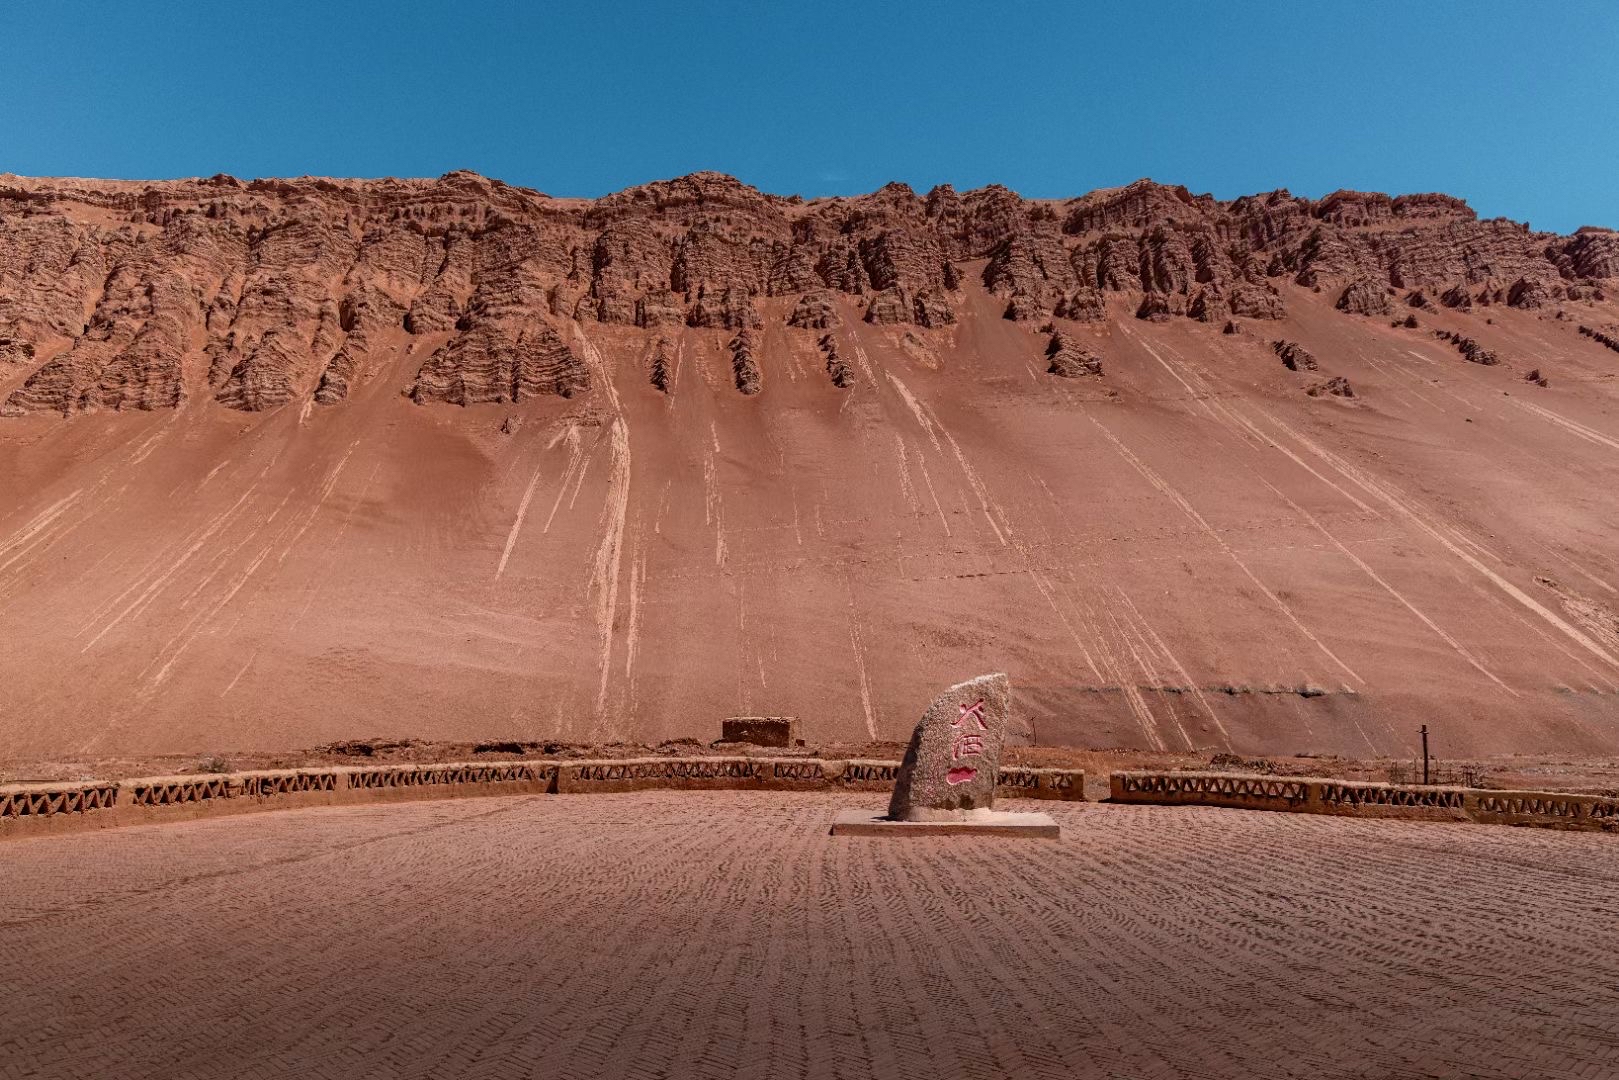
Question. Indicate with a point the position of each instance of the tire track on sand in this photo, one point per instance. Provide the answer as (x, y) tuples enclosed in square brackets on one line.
[(605, 571), (1454, 542), (1168, 491), (936, 430), (1461, 650)]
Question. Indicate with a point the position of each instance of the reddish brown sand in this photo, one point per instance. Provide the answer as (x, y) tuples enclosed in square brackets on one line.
[(727, 935), (1187, 551)]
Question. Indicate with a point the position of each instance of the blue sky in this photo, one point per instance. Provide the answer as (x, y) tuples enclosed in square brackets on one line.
[(1514, 106)]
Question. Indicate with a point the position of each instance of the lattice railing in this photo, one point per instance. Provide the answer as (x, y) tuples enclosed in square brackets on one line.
[(504, 772), (176, 790), (288, 783), (1348, 794), (48, 801)]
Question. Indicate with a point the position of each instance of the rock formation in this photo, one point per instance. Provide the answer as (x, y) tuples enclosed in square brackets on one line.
[(256, 294), (1364, 298), (1294, 356), (730, 309), (951, 762), (1083, 305), (744, 367), (1069, 359), (931, 309), (659, 370), (1530, 293), (814, 311), (1457, 297), (496, 360), (1470, 349), (841, 376), (1610, 340), (1337, 386), (888, 307)]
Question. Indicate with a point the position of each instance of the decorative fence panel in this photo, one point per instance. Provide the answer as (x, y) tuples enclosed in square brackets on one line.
[(1359, 799)]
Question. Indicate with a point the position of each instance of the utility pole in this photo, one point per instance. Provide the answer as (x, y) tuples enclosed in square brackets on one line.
[(1424, 753)]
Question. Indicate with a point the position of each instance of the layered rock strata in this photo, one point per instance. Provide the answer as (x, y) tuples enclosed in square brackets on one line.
[(256, 294)]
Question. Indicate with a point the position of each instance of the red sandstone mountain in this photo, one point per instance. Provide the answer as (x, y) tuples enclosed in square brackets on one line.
[(449, 457)]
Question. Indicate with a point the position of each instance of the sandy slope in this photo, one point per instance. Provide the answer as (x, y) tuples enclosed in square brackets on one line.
[(1162, 557)]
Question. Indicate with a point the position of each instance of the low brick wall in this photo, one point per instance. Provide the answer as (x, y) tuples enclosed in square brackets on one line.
[(786, 774), (1309, 795), (28, 809)]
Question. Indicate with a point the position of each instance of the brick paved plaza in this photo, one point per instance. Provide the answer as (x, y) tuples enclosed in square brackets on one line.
[(726, 935)]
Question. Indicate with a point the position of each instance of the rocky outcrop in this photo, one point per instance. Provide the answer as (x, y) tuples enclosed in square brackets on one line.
[(930, 309), (1601, 338), (1337, 386), (1457, 297), (501, 360), (814, 311), (1530, 293), (257, 294), (1158, 306), (1209, 304), (659, 309), (364, 317), (888, 307), (1021, 307), (1364, 298), (836, 369), (1083, 305), (1470, 349), (1032, 264), (744, 366), (731, 309), (1589, 253), (1069, 359), (1295, 357), (15, 350), (660, 369), (1257, 302), (1213, 303)]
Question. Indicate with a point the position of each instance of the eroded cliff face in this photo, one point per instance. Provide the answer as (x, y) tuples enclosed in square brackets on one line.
[(258, 294), (452, 459)]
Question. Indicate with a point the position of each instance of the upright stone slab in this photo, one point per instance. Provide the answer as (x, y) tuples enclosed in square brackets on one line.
[(946, 784), (955, 753)]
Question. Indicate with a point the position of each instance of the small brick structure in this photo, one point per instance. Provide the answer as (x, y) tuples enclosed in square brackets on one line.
[(778, 731)]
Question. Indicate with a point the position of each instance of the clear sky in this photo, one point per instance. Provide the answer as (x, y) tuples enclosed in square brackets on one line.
[(1511, 105)]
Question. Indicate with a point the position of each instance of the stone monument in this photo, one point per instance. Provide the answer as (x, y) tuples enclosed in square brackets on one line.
[(946, 783)]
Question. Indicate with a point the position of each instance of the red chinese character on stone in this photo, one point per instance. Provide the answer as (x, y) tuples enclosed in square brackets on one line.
[(976, 711), (966, 745)]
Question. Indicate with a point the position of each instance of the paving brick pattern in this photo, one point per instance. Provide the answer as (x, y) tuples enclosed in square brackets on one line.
[(667, 934)]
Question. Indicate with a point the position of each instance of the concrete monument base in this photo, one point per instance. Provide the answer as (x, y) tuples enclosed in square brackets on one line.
[(969, 823)]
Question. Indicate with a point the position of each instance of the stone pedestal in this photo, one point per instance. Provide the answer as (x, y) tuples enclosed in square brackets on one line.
[(969, 823)]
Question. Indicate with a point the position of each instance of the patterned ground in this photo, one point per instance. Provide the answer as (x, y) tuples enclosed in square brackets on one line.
[(726, 935)]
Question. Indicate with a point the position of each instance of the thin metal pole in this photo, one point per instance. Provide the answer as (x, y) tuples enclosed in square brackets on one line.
[(1424, 753)]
